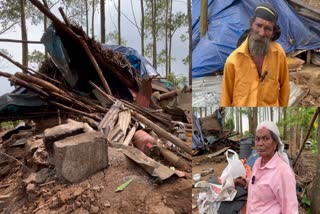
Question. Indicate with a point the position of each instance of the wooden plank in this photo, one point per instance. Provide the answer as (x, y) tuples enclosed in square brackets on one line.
[(218, 152)]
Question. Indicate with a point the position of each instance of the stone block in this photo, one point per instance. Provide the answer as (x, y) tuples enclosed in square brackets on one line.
[(78, 157), (60, 132)]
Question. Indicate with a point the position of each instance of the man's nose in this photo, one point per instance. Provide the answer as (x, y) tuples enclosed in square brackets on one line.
[(262, 32)]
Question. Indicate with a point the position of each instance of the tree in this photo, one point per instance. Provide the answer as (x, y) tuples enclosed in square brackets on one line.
[(10, 15), (113, 38), (142, 27), (36, 58), (190, 42), (24, 33), (240, 112), (315, 208), (154, 36), (178, 20), (119, 23), (92, 20), (103, 21)]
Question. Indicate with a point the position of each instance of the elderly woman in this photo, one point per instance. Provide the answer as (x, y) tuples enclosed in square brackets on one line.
[(272, 187)]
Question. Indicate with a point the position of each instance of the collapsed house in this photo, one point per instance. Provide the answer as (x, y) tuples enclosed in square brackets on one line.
[(229, 19), (88, 109)]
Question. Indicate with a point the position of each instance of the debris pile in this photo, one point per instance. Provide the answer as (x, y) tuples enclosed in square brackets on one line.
[(81, 140), (208, 134)]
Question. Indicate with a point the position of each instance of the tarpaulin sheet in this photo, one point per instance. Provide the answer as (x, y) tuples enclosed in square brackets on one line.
[(227, 20), (20, 97), (137, 61)]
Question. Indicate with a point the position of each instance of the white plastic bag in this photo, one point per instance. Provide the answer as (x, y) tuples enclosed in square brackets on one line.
[(234, 168)]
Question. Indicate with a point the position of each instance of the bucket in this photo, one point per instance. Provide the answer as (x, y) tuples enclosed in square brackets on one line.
[(146, 143), (246, 147)]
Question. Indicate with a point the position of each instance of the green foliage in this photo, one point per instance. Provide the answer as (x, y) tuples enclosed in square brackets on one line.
[(10, 14), (298, 116), (9, 124), (246, 134), (314, 146), (306, 203), (112, 38), (229, 124), (177, 79), (36, 58), (186, 60)]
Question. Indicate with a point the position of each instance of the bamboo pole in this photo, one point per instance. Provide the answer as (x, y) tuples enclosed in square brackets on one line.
[(20, 41), (314, 117)]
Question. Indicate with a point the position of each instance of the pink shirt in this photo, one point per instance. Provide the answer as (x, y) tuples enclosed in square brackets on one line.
[(274, 188)]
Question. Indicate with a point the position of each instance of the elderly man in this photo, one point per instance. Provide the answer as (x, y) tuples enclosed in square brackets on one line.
[(256, 73)]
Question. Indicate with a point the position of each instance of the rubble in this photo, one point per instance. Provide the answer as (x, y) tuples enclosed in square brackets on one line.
[(75, 150), (78, 157)]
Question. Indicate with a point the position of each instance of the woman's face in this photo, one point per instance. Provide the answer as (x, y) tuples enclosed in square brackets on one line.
[(265, 145)]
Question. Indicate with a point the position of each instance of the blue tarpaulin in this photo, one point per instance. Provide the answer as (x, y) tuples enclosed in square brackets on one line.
[(141, 64), (229, 18)]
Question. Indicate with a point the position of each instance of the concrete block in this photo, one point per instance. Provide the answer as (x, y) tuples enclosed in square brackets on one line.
[(60, 132), (80, 156)]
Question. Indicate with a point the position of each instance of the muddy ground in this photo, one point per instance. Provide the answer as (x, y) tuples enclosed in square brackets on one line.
[(97, 193)]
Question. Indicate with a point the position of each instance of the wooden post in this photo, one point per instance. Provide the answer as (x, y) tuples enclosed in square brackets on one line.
[(308, 57), (203, 18), (162, 133)]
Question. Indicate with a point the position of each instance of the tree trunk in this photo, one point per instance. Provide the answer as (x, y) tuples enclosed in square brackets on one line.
[(315, 208), (232, 116), (142, 28), (284, 125), (237, 119), (45, 28), (240, 112), (200, 112), (271, 113), (170, 36), (203, 18), (166, 36), (190, 41), (87, 17), (293, 142), (154, 39), (24, 34), (119, 22), (255, 119), (103, 22), (92, 23)]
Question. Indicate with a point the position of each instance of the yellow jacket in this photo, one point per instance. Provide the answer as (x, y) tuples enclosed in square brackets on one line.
[(241, 83)]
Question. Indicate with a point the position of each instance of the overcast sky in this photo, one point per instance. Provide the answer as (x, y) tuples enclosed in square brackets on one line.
[(128, 32)]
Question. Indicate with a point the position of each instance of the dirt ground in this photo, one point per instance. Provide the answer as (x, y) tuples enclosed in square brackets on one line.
[(97, 193), (309, 80), (313, 3)]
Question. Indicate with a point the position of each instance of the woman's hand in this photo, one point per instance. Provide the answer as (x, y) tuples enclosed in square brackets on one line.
[(240, 181)]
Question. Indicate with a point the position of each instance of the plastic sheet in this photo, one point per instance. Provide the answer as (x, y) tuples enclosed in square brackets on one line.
[(228, 19), (137, 61)]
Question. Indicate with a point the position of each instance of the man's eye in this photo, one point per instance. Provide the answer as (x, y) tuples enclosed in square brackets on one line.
[(268, 29)]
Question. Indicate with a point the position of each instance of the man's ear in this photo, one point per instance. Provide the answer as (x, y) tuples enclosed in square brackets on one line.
[(276, 32)]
